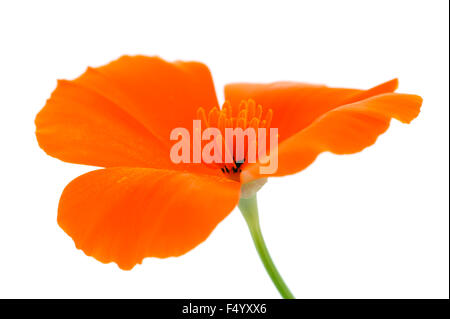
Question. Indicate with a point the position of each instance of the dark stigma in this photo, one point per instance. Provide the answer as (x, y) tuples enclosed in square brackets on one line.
[(234, 169)]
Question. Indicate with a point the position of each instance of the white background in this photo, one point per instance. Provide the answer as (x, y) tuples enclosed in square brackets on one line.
[(370, 225)]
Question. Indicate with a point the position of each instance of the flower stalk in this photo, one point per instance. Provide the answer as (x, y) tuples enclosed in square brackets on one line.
[(249, 209)]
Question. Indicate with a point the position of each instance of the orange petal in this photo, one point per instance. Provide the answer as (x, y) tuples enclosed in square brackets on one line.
[(159, 94), (297, 105), (123, 215), (344, 130), (121, 114), (78, 125)]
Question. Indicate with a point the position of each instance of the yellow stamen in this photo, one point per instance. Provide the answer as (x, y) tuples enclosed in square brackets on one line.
[(247, 115), (213, 116), (201, 115)]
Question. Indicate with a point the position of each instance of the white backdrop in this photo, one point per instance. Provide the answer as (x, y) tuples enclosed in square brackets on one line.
[(370, 225)]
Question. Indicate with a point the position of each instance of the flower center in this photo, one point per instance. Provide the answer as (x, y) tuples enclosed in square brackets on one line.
[(246, 115)]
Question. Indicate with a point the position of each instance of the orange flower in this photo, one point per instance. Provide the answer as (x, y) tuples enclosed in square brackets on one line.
[(119, 116)]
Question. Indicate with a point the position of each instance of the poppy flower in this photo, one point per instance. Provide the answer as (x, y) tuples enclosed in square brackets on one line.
[(140, 203)]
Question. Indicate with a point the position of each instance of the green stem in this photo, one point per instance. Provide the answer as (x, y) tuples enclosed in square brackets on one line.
[(249, 209)]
